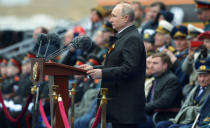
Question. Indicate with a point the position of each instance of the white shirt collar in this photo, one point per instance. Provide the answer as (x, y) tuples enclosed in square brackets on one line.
[(124, 28)]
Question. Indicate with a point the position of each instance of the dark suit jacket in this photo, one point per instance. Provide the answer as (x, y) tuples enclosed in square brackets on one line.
[(166, 93), (124, 74)]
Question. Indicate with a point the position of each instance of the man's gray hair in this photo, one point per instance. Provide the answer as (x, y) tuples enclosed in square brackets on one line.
[(127, 9)]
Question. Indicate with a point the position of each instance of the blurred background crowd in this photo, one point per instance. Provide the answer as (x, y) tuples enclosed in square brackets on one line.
[(176, 37)]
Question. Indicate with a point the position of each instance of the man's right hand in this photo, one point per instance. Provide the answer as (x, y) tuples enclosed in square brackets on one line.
[(86, 67)]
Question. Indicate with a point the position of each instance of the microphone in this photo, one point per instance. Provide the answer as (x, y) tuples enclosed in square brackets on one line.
[(81, 42), (42, 39), (52, 38)]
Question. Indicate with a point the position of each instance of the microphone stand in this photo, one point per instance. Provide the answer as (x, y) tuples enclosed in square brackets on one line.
[(35, 100), (40, 44), (48, 44), (76, 43), (37, 95), (35, 110), (72, 44), (41, 38), (56, 53)]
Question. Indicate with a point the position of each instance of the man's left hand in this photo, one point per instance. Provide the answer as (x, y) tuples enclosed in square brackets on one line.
[(95, 73)]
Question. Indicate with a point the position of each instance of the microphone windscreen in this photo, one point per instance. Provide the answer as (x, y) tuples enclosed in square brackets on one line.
[(53, 38), (82, 42)]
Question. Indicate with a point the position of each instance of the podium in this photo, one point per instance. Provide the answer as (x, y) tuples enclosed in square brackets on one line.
[(58, 75)]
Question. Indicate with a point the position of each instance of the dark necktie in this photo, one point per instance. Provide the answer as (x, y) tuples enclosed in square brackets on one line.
[(199, 94), (152, 92)]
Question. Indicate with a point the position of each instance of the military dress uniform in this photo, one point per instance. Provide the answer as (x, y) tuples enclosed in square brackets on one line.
[(8, 85), (177, 32), (192, 105), (24, 84), (165, 28), (188, 65)]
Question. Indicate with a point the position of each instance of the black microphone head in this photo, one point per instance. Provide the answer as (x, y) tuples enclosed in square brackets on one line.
[(42, 38), (82, 42), (53, 38)]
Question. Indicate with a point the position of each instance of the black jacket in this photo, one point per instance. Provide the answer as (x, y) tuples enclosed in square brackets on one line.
[(167, 92), (124, 74)]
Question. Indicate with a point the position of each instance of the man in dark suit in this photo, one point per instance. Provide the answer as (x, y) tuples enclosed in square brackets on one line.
[(124, 71), (165, 90)]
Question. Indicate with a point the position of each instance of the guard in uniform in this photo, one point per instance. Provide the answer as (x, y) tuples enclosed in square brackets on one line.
[(9, 85), (24, 84)]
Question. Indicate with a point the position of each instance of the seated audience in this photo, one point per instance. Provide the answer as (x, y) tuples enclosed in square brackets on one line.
[(195, 99), (165, 89)]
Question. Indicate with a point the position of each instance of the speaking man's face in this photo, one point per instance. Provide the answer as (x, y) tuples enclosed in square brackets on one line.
[(117, 20)]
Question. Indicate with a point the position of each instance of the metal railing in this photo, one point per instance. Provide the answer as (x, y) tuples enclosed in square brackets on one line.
[(18, 48)]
